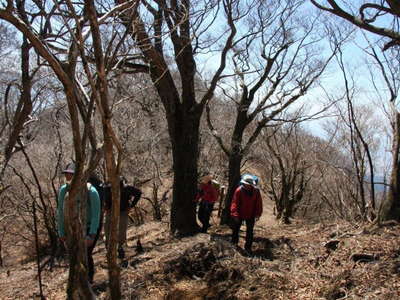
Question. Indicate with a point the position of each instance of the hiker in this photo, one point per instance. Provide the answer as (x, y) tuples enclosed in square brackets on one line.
[(246, 206), (92, 216), (207, 194), (127, 192)]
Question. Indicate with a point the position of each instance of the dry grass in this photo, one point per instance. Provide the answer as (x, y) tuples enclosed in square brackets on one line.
[(289, 262)]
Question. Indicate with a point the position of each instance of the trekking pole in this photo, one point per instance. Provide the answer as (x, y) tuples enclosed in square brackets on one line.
[(37, 251)]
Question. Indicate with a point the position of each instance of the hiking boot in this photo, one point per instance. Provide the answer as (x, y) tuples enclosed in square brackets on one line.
[(121, 253)]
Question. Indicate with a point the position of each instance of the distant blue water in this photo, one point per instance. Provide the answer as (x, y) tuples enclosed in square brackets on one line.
[(379, 187)]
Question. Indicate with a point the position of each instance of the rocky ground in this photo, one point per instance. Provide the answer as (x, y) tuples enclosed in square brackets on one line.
[(297, 261)]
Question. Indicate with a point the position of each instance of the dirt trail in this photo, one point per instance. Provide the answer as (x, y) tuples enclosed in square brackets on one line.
[(289, 262)]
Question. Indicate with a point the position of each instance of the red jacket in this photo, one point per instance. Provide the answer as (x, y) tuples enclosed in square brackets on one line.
[(245, 206), (207, 192)]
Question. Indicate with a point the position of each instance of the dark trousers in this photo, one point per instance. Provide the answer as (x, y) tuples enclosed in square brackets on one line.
[(89, 252), (204, 214), (249, 232)]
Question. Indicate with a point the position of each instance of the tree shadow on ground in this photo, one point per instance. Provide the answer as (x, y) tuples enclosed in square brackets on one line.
[(100, 287), (262, 248), (220, 236)]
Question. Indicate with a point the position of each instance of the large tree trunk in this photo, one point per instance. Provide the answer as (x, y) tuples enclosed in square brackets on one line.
[(185, 150), (182, 110)]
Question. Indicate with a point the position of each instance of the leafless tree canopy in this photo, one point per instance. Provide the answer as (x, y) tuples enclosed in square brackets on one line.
[(378, 17)]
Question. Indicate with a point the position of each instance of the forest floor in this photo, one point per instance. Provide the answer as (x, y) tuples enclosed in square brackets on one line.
[(297, 261)]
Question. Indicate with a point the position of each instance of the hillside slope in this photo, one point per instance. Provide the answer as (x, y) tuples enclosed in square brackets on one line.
[(298, 261)]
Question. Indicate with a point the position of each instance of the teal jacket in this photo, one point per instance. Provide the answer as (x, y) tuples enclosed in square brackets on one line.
[(92, 213)]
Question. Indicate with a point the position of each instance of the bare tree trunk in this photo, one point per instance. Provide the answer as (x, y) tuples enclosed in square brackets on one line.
[(235, 162), (112, 172), (390, 209), (182, 110), (184, 137), (25, 105), (78, 286), (155, 203), (101, 94), (284, 205), (47, 213), (1, 255), (37, 251)]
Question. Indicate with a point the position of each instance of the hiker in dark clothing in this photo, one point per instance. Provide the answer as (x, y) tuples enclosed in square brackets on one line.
[(92, 216), (207, 195), (129, 196), (246, 206)]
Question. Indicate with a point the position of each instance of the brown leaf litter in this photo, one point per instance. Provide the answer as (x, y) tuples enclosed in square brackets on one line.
[(288, 262)]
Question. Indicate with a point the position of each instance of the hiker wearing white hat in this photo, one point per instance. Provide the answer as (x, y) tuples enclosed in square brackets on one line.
[(246, 206)]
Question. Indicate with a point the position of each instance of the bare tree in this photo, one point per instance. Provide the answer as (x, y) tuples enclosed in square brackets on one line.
[(377, 17), (288, 168), (353, 131), (18, 101), (338, 193), (332, 189), (188, 27), (361, 146), (63, 45), (387, 64), (274, 66), (381, 19)]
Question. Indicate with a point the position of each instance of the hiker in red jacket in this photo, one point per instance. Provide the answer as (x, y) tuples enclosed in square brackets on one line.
[(207, 194), (246, 205)]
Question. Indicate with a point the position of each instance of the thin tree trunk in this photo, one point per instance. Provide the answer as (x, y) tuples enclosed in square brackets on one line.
[(235, 162), (46, 217), (1, 255), (283, 208), (25, 105), (37, 250), (78, 286), (101, 94), (390, 209), (113, 268)]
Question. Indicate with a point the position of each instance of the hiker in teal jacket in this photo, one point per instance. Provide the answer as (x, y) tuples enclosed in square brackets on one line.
[(92, 217)]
